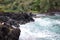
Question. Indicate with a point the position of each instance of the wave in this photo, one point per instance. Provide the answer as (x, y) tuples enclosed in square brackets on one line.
[(41, 29)]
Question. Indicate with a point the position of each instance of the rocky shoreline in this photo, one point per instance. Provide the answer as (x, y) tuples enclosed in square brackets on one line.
[(9, 24)]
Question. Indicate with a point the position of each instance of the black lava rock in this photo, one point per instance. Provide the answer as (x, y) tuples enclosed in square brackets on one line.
[(9, 24), (7, 32)]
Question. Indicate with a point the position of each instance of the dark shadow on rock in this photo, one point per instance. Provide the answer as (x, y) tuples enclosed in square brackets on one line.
[(7, 32), (9, 24), (24, 17)]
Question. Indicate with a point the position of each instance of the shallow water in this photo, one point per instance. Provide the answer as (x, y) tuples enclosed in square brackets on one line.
[(44, 28)]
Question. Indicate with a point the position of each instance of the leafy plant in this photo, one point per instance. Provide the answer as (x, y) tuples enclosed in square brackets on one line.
[(29, 5)]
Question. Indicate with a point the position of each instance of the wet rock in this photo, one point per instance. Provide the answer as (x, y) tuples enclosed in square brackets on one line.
[(19, 17), (32, 14), (13, 23), (9, 24), (3, 19), (7, 32), (9, 21), (14, 34)]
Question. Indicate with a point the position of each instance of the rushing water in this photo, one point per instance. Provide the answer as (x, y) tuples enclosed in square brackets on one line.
[(44, 28)]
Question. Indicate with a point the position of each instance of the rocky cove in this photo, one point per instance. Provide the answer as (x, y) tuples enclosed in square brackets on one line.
[(9, 23)]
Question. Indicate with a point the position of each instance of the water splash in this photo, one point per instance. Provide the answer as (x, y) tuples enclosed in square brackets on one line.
[(41, 29)]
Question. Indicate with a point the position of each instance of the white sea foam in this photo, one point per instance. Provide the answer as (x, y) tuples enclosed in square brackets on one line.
[(39, 30)]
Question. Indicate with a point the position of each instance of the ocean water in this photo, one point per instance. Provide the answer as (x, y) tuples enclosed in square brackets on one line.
[(44, 28)]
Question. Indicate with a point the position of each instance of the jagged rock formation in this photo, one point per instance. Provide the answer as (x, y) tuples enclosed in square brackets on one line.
[(7, 32), (19, 17), (9, 24)]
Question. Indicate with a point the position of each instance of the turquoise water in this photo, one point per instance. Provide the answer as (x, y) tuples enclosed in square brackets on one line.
[(44, 28)]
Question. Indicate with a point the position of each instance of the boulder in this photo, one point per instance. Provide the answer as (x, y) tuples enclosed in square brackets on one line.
[(9, 21), (21, 18), (9, 24), (7, 32)]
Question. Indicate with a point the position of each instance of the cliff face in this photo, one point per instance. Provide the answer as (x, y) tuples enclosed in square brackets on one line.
[(9, 24)]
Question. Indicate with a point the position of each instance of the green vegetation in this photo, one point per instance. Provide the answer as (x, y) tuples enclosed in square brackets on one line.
[(29, 5)]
